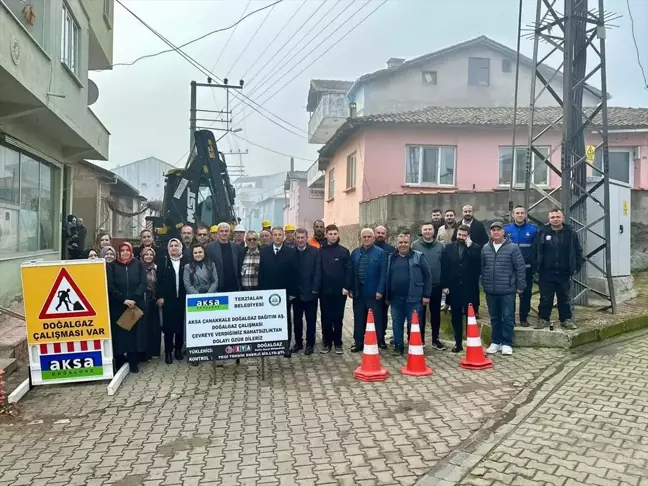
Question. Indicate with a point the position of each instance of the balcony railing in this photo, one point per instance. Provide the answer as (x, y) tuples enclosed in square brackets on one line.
[(330, 114), (314, 176)]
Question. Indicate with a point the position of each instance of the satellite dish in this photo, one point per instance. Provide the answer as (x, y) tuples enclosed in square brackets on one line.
[(93, 92)]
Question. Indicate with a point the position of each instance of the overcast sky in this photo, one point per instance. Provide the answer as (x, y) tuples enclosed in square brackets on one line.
[(146, 106)]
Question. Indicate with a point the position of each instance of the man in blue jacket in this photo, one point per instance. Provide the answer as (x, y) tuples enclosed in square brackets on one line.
[(368, 270), (522, 233)]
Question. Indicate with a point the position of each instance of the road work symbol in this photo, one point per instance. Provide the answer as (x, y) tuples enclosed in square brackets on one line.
[(66, 299)]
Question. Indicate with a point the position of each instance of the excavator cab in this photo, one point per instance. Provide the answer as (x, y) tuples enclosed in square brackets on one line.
[(201, 193)]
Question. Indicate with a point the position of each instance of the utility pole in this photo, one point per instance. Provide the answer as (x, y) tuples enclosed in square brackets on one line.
[(575, 33), (193, 110)]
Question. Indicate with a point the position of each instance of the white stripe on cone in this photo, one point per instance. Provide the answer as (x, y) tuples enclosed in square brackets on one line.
[(416, 350), (370, 349), (472, 320), (370, 326), (415, 328), (473, 342)]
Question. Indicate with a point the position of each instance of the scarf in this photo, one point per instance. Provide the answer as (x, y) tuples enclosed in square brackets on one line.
[(130, 248), (151, 276), (179, 256), (106, 249)]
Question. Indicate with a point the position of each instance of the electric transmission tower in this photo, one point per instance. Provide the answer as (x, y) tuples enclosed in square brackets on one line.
[(577, 34)]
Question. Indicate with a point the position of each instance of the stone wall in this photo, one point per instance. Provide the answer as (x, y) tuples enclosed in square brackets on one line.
[(350, 235)]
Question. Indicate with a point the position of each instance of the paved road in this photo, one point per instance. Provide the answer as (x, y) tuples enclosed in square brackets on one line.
[(592, 430), (309, 423)]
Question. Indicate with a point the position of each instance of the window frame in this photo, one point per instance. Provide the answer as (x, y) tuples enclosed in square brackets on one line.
[(514, 165), (631, 162), (439, 148), (476, 82), (435, 74), (351, 181), (70, 54), (331, 184), (107, 12)]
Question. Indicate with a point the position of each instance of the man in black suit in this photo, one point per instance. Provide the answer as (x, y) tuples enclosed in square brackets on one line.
[(278, 270), (310, 279), (228, 258)]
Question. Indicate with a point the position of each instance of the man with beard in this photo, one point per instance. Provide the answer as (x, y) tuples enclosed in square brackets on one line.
[(381, 242), (446, 232), (187, 236), (202, 236), (477, 231), (289, 231), (433, 251), (437, 220), (461, 267), (266, 238), (318, 239)]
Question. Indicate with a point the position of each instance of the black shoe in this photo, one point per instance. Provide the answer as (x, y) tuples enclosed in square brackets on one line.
[(338, 349), (398, 351), (287, 354), (356, 349), (439, 346), (296, 348), (524, 323), (382, 346), (178, 354), (457, 349), (325, 349), (134, 367), (168, 357), (309, 350)]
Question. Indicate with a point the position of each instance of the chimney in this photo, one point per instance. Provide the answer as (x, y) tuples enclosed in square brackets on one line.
[(394, 61), (292, 164)]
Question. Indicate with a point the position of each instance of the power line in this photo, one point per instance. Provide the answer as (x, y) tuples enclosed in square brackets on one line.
[(250, 41), (206, 72), (273, 39), (323, 53), (229, 38), (271, 150), (233, 26), (634, 40)]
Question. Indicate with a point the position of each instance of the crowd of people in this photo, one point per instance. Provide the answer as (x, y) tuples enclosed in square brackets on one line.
[(441, 269)]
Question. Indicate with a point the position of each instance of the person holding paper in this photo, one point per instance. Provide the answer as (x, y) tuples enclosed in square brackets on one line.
[(127, 283)]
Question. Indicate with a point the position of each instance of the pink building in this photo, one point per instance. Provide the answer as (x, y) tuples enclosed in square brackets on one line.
[(303, 204), (448, 150)]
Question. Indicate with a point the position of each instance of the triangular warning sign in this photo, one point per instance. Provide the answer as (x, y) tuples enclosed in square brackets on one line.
[(66, 300)]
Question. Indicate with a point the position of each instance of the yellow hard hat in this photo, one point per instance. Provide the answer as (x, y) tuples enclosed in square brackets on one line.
[(266, 224), (214, 229), (289, 227)]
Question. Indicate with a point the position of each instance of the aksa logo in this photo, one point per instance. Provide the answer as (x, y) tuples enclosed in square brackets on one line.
[(203, 304), (237, 349), (274, 299)]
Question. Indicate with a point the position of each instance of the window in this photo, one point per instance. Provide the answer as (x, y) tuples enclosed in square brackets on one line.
[(29, 202), (430, 165), (351, 171), (517, 165), (107, 12), (478, 71), (619, 162), (507, 66), (70, 41), (430, 77), (331, 184)]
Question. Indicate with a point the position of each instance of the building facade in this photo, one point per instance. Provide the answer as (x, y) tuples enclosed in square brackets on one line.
[(146, 175), (260, 198), (303, 204), (46, 123)]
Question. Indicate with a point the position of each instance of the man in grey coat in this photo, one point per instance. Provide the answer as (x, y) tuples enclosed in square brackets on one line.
[(503, 275), (432, 250)]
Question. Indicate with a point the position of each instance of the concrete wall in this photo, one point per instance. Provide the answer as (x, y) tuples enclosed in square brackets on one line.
[(100, 16), (405, 90)]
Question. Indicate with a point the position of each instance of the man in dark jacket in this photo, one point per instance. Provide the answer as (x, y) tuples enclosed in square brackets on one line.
[(437, 219), (460, 272), (83, 233), (228, 258), (278, 270), (368, 269), (522, 233), (557, 256), (432, 250), (336, 282), (381, 242), (310, 279), (408, 286), (477, 231), (502, 276)]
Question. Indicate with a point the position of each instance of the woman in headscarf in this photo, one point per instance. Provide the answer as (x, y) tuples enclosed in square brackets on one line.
[(151, 311), (91, 254), (171, 297), (127, 283), (108, 253), (146, 241)]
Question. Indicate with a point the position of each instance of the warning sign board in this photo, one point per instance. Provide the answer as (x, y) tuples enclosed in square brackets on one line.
[(590, 153), (65, 301)]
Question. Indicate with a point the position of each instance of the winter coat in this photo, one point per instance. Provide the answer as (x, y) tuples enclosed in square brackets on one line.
[(502, 272), (126, 282), (523, 236), (173, 310), (310, 272), (375, 273), (215, 256), (446, 234), (478, 232), (336, 269), (420, 283), (547, 250), (460, 274), (203, 281), (433, 254), (279, 270)]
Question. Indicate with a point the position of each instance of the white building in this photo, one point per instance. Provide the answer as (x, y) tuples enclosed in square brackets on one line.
[(46, 125), (146, 175)]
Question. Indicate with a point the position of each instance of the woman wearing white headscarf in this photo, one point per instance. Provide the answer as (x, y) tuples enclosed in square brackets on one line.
[(171, 295)]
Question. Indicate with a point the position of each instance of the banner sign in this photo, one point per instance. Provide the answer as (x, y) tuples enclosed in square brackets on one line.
[(236, 325)]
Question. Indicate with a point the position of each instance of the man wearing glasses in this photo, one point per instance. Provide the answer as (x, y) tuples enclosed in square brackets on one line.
[(250, 269)]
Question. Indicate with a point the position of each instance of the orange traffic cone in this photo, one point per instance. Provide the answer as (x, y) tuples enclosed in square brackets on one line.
[(415, 358), (370, 369), (475, 358)]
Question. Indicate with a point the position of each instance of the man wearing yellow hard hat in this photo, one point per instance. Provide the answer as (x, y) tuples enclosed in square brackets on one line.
[(266, 225), (289, 234), (213, 233)]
